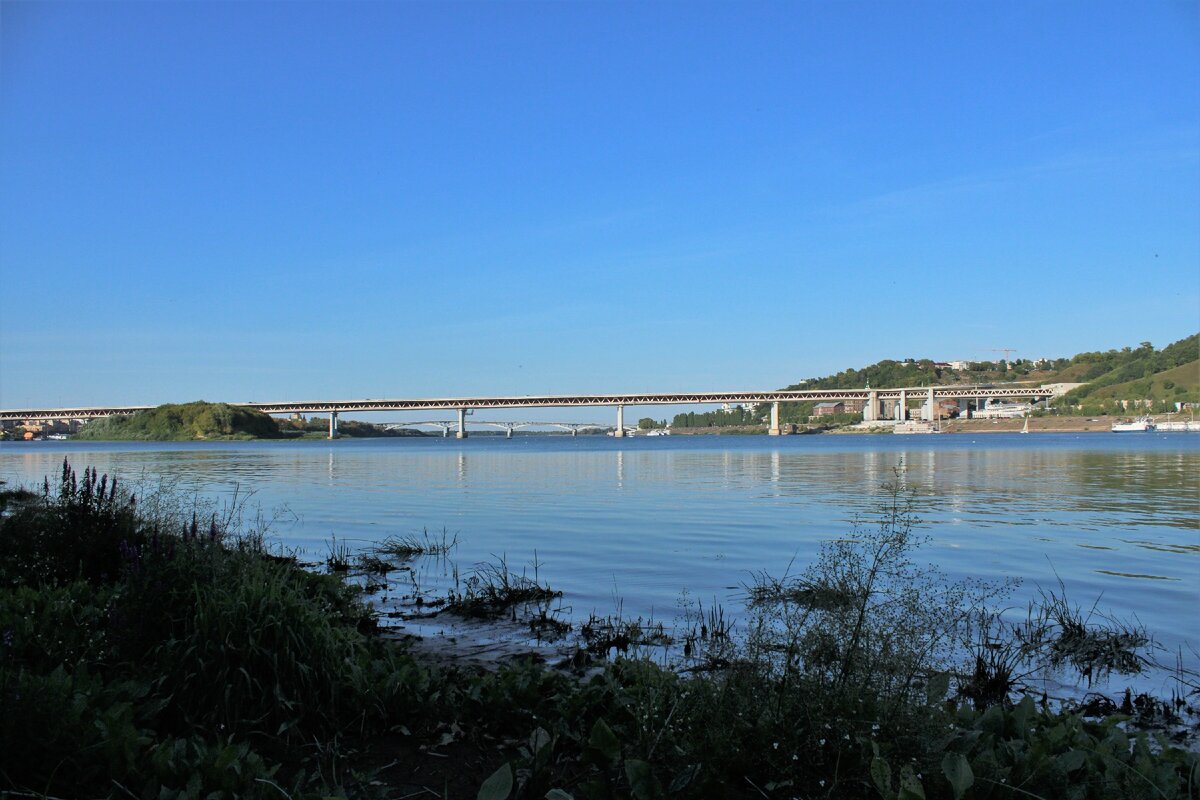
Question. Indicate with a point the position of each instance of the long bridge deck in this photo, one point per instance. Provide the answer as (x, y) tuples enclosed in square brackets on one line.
[(563, 401)]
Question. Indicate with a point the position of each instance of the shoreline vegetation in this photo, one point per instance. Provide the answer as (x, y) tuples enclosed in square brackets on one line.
[(156, 646), (203, 421)]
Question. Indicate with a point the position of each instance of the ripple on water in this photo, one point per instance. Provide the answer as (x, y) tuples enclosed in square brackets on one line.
[(639, 522)]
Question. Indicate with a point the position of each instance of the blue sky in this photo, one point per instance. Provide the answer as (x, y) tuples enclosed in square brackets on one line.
[(243, 201)]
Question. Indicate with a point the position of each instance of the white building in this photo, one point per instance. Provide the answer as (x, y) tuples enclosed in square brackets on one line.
[(1002, 411)]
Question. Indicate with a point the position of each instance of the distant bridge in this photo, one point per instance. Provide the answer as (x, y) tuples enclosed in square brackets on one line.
[(877, 403), (508, 427)]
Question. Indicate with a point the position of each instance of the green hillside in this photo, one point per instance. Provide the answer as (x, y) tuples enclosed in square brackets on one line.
[(889, 374), (184, 422), (1098, 369), (1162, 389), (1127, 372), (1113, 378)]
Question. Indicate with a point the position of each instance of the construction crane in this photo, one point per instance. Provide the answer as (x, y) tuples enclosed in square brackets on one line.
[(1006, 351)]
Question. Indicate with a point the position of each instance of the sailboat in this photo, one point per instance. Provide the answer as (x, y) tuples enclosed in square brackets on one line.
[(1026, 428)]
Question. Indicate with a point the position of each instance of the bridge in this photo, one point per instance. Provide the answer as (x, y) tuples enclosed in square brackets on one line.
[(508, 427), (877, 404)]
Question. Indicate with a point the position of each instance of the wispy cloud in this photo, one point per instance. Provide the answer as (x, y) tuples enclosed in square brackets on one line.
[(1166, 151)]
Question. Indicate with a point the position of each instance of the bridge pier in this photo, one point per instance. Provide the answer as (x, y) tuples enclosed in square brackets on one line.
[(964, 408), (333, 431), (508, 432), (462, 424), (902, 407), (930, 407), (774, 429), (620, 429), (574, 431), (871, 409)]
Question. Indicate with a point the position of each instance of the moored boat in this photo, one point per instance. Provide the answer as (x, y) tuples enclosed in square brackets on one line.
[(1138, 425)]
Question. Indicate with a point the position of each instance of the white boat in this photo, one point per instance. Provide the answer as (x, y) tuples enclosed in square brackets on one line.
[(658, 432), (1026, 428), (1141, 424)]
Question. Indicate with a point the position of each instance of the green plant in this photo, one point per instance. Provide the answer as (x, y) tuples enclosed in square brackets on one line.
[(413, 545), (339, 557), (493, 589), (152, 656)]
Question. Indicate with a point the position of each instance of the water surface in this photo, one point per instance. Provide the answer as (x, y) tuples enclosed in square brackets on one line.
[(643, 521)]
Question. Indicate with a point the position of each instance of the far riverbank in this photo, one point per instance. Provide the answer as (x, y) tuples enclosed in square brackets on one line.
[(1100, 424)]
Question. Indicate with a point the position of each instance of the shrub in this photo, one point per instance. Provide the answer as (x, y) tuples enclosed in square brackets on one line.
[(74, 533), (175, 659)]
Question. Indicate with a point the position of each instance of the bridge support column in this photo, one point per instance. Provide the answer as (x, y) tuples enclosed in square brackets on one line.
[(574, 431), (774, 429), (931, 414), (445, 431), (462, 424), (508, 433), (333, 432), (620, 429), (871, 409), (964, 408)]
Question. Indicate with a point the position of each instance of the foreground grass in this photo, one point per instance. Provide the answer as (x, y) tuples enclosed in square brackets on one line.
[(180, 660)]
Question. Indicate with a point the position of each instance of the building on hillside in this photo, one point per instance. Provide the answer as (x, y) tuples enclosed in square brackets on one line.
[(999, 410), (823, 409), (947, 409)]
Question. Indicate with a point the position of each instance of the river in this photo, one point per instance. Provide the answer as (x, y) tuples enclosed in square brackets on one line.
[(641, 523)]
